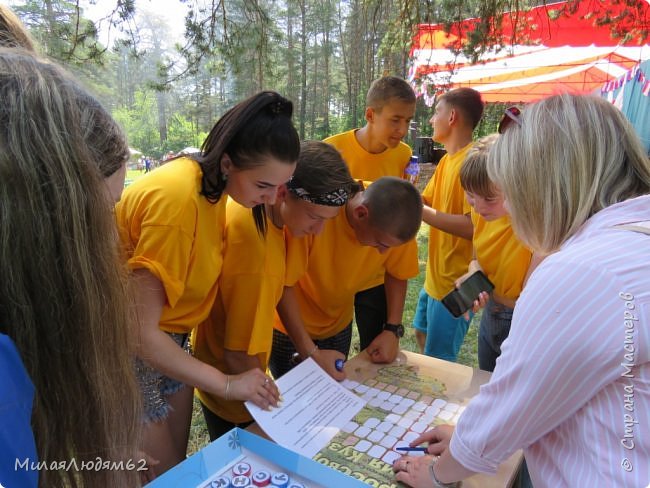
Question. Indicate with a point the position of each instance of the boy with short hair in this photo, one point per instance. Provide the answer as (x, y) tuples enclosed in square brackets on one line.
[(373, 151), (316, 307), (439, 334), (376, 149)]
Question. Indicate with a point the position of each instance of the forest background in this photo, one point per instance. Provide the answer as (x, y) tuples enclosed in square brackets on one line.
[(167, 92)]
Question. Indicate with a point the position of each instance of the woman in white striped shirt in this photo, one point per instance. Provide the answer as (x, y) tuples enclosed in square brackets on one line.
[(572, 386)]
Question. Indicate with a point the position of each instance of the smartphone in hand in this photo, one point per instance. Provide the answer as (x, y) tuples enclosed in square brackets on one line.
[(461, 299)]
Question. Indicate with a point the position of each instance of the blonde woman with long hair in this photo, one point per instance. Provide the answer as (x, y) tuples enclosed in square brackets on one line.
[(64, 312), (571, 383)]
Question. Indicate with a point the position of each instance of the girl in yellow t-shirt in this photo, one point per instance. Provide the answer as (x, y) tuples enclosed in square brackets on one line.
[(238, 333), (172, 222), (497, 252)]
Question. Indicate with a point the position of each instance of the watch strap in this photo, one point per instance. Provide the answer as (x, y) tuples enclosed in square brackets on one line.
[(397, 329)]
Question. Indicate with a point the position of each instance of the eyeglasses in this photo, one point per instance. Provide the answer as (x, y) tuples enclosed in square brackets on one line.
[(512, 114)]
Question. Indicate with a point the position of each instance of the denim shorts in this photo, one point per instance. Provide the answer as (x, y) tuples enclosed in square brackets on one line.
[(156, 387)]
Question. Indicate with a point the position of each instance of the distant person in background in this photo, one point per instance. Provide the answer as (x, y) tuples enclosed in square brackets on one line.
[(571, 385), (172, 222), (440, 334), (237, 335), (373, 151), (67, 385)]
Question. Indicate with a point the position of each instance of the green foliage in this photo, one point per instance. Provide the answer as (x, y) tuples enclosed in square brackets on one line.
[(63, 33), (322, 54), (182, 134), (140, 124)]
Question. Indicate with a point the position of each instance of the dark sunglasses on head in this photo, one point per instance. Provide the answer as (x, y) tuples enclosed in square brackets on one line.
[(511, 115)]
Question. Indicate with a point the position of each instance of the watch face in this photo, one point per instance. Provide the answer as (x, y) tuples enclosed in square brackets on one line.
[(400, 331)]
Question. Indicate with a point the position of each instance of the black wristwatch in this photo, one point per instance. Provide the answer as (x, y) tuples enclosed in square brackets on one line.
[(397, 329)]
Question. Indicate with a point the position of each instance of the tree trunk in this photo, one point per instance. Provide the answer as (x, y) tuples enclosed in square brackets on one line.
[(303, 67)]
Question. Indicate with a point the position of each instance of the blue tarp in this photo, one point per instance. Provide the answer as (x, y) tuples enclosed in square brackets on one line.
[(628, 94)]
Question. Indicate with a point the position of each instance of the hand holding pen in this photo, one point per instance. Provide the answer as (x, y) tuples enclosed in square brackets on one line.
[(437, 438)]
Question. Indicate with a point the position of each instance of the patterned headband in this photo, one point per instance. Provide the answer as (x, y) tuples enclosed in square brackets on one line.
[(334, 198)]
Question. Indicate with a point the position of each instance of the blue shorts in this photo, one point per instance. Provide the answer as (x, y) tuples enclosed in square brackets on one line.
[(445, 333)]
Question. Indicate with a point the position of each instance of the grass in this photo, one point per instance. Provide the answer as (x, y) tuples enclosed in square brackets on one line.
[(132, 175), (467, 356)]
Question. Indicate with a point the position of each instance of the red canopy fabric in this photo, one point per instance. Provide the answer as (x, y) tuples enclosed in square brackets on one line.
[(546, 55)]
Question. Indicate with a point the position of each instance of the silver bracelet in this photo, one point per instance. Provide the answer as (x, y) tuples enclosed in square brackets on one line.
[(436, 482)]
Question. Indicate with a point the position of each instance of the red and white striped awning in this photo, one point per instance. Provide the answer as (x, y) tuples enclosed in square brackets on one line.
[(567, 54)]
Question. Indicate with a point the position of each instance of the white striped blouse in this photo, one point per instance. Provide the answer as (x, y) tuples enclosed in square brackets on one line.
[(572, 385)]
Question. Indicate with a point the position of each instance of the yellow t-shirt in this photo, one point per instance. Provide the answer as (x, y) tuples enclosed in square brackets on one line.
[(501, 254), (336, 267), (250, 286), (370, 167), (367, 166), (449, 255), (172, 231)]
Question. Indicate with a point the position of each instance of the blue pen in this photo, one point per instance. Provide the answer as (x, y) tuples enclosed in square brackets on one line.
[(411, 449)]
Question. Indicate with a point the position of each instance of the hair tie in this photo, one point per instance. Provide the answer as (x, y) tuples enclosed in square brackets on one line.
[(276, 108)]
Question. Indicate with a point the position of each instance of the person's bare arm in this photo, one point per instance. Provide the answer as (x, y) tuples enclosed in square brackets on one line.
[(458, 225), (159, 350)]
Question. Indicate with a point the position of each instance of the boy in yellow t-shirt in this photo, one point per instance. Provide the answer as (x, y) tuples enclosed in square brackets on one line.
[(374, 234), (237, 335), (376, 149), (373, 151), (446, 210), (497, 252)]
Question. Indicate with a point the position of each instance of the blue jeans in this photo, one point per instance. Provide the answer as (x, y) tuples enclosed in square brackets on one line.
[(445, 333), (494, 329)]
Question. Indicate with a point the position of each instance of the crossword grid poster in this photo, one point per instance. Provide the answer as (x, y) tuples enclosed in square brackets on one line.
[(401, 404)]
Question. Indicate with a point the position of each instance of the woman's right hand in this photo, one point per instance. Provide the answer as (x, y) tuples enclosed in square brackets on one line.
[(438, 439), (255, 386)]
